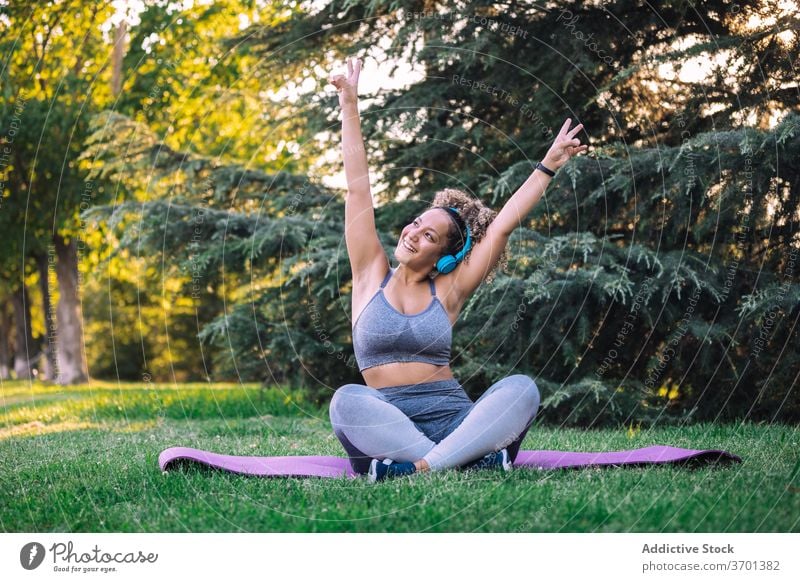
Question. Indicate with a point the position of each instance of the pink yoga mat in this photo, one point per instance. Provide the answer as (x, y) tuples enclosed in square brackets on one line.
[(313, 466)]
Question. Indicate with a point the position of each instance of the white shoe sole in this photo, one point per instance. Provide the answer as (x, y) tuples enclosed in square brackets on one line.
[(373, 471), (507, 465)]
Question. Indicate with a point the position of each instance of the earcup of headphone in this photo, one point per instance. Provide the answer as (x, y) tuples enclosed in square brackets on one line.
[(446, 264)]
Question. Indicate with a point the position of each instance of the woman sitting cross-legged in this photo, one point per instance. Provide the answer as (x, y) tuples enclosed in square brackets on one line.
[(412, 415)]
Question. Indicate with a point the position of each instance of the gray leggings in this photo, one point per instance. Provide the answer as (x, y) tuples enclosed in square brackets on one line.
[(434, 421)]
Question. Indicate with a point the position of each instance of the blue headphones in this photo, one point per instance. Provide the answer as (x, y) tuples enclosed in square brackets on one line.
[(448, 262)]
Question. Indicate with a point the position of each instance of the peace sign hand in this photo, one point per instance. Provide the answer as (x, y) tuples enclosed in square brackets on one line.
[(348, 86), (565, 146)]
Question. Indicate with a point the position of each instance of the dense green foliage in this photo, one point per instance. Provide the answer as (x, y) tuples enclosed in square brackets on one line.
[(175, 76), (656, 280)]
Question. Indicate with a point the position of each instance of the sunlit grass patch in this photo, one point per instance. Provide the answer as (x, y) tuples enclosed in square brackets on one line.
[(24, 403), (36, 427)]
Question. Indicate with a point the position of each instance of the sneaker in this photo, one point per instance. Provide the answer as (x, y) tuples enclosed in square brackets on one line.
[(495, 460), (380, 470)]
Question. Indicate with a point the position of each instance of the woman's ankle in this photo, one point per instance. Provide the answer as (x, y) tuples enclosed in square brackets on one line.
[(422, 466)]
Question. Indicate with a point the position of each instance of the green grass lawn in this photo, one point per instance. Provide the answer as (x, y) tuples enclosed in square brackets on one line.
[(85, 459)]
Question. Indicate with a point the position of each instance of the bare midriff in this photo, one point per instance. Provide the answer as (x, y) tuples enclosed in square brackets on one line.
[(400, 373)]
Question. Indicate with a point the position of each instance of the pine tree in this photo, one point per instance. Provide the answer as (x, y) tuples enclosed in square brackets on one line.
[(657, 279)]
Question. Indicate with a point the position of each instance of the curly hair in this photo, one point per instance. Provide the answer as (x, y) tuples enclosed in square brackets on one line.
[(477, 216)]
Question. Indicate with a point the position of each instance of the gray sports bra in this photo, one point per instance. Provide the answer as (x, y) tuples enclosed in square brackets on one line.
[(382, 334)]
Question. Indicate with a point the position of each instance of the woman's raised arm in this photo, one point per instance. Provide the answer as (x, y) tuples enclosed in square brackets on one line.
[(353, 152), (363, 246), (486, 253), (564, 148)]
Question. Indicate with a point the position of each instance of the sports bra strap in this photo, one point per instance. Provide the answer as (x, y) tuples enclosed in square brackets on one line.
[(386, 278), (433, 287)]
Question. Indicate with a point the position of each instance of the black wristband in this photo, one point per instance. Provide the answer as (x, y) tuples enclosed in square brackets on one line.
[(545, 169)]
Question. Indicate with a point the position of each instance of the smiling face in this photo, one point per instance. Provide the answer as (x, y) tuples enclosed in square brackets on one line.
[(427, 238)]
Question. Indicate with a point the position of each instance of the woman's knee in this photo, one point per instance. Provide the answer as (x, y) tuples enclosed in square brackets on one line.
[(348, 399), (526, 393)]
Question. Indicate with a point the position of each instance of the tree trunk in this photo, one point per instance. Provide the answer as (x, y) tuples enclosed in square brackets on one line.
[(71, 358), (25, 351), (50, 372), (116, 58), (5, 348)]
